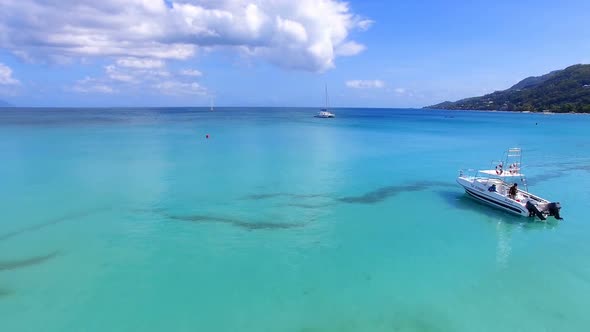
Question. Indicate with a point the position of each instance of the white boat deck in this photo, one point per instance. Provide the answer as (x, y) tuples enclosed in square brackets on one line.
[(502, 189)]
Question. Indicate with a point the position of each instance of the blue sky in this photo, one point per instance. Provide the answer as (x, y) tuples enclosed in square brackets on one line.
[(280, 53)]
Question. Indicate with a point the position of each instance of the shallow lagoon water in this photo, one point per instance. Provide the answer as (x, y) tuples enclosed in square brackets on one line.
[(131, 220)]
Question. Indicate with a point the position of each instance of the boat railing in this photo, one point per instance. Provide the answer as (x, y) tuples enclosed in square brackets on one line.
[(514, 152)]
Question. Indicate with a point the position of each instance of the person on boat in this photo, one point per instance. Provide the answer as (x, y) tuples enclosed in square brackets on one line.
[(492, 188), (512, 191)]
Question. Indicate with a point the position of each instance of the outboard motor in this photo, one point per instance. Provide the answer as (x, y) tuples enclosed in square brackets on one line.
[(534, 211), (553, 209)]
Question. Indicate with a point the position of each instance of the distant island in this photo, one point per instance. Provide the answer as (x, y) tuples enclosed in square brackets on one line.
[(4, 104), (560, 91)]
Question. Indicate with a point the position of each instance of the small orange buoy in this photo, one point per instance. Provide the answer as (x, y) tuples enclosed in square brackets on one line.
[(207, 136)]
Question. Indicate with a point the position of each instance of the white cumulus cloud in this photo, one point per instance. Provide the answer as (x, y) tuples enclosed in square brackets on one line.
[(304, 34), (191, 72), (403, 92), (123, 72), (120, 76), (365, 84), (141, 76), (6, 76), (140, 63), (176, 88), (365, 24), (91, 85), (350, 48), (115, 73)]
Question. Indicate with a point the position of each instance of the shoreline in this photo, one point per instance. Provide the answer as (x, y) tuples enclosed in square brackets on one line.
[(498, 111)]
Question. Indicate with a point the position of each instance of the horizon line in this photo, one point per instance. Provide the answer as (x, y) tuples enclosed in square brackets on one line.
[(207, 107)]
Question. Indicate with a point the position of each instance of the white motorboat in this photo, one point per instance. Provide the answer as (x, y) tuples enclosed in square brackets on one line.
[(324, 112), (498, 187)]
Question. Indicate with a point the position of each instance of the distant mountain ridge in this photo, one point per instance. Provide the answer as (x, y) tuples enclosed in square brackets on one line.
[(533, 81), (566, 90)]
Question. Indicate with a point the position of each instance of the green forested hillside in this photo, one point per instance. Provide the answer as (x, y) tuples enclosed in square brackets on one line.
[(566, 90)]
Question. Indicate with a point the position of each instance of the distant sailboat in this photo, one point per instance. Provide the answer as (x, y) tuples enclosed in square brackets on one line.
[(211, 103), (324, 112)]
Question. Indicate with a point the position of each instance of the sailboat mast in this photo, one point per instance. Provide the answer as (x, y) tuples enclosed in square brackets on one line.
[(326, 86)]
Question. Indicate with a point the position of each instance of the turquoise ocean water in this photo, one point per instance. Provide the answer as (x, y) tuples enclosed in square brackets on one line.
[(132, 220)]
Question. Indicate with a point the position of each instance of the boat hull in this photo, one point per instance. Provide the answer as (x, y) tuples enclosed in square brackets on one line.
[(325, 115)]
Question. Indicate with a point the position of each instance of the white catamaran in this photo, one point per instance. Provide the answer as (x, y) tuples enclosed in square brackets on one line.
[(324, 112), (497, 187)]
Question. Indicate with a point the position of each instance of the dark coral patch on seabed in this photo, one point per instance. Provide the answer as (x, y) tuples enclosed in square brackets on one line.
[(276, 195), (249, 225), (5, 292), (48, 223), (35, 260), (373, 196), (383, 193)]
